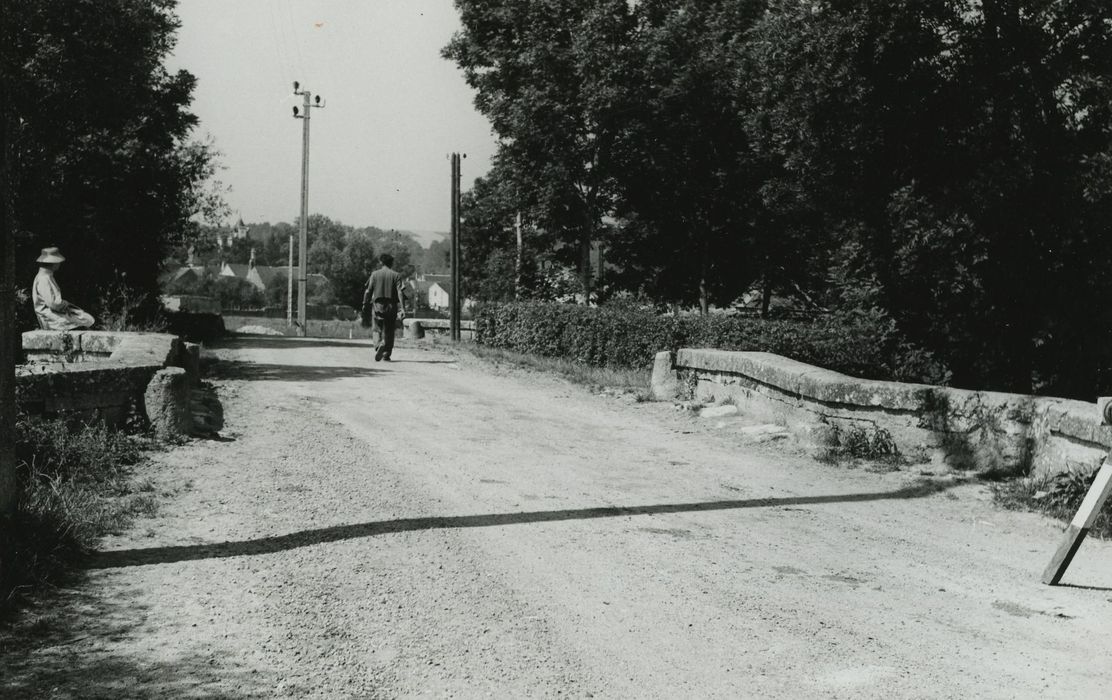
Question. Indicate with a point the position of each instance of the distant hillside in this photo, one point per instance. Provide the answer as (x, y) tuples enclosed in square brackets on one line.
[(427, 238)]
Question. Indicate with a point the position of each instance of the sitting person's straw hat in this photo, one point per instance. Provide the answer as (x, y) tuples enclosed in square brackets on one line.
[(50, 255)]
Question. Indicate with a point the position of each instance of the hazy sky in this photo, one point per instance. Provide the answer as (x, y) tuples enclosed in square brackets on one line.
[(395, 109)]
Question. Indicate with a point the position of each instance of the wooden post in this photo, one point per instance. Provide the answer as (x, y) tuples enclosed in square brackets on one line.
[(1079, 526), (454, 293)]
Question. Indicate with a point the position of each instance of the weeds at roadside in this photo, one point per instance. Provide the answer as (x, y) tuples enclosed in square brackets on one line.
[(1057, 496), (877, 447), (598, 379), (76, 486)]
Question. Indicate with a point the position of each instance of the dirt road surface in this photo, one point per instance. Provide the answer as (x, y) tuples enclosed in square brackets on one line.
[(434, 528)]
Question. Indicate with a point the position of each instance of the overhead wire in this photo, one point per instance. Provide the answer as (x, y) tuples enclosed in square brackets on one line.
[(277, 42), (296, 36)]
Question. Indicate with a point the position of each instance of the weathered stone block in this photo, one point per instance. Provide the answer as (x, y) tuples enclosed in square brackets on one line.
[(414, 328), (189, 359), (665, 383), (102, 343), (167, 403)]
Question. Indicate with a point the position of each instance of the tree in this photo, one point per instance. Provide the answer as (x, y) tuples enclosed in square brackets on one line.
[(437, 259), (954, 154), (94, 155), (527, 62), (103, 164), (683, 169)]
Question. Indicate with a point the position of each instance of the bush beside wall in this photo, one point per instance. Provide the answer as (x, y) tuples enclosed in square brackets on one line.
[(860, 345)]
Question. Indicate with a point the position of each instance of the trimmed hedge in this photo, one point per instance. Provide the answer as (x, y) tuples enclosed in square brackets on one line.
[(861, 345)]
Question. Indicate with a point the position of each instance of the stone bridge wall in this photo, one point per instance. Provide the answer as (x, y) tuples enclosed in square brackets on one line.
[(961, 428), (102, 375)]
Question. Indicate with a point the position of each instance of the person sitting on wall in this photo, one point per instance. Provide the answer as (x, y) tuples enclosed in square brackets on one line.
[(54, 312)]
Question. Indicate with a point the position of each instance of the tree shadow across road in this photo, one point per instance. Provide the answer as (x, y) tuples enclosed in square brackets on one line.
[(257, 371), (279, 342), (58, 649), (306, 538)]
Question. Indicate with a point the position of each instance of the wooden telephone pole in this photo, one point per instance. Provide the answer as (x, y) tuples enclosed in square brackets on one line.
[(454, 301), (303, 234)]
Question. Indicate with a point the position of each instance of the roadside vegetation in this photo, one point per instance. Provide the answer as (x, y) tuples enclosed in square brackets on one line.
[(1058, 496), (77, 484), (619, 380), (629, 336)]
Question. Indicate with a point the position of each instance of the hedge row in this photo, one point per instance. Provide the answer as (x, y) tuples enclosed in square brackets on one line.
[(859, 345)]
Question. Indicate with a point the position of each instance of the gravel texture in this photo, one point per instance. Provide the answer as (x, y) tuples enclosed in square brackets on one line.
[(434, 528)]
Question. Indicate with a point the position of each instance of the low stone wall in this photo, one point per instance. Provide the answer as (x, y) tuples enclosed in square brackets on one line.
[(102, 346), (103, 375), (416, 327), (961, 428)]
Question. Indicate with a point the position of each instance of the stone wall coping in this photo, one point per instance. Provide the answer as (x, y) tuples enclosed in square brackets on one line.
[(147, 348), (1066, 417), (438, 323), (54, 368)]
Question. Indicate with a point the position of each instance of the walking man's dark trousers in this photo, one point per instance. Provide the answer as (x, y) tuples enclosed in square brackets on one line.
[(385, 326)]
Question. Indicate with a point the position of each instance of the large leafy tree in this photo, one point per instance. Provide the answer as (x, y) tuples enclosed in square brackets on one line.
[(94, 156), (492, 216), (683, 171), (528, 62), (954, 153), (103, 164)]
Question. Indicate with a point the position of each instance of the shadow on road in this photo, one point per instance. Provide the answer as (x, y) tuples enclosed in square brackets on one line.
[(273, 342), (305, 538), (229, 369), (57, 651)]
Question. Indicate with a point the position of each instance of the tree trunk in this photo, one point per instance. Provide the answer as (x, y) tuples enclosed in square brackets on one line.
[(704, 263), (585, 267), (8, 484), (766, 296), (518, 263)]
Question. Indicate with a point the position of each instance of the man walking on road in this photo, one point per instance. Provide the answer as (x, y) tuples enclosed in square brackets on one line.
[(384, 292)]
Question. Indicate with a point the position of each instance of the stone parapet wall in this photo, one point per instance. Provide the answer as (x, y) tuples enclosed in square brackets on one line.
[(961, 428), (102, 346), (83, 391), (105, 375), (416, 327)]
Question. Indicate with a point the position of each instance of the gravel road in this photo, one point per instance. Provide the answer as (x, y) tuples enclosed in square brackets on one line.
[(433, 527)]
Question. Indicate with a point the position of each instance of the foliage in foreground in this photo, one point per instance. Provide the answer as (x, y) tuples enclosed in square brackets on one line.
[(861, 345), (77, 485), (622, 380), (946, 161), (1058, 496)]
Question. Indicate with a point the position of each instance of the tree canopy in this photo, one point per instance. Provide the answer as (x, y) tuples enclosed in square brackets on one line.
[(943, 163), (103, 165)]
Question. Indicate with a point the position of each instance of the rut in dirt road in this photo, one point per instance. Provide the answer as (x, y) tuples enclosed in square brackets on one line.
[(434, 528)]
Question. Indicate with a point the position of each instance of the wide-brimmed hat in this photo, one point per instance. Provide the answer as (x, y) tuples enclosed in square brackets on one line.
[(50, 255)]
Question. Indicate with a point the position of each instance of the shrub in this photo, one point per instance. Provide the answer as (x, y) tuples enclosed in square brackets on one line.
[(873, 444), (860, 344), (75, 486), (1057, 496)]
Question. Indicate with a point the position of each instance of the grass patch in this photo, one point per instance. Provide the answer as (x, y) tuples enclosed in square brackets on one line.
[(77, 485), (857, 443), (1058, 496), (622, 380)]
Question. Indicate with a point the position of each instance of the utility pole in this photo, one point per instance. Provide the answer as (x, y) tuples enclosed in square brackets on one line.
[(454, 301), (289, 286), (302, 272)]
